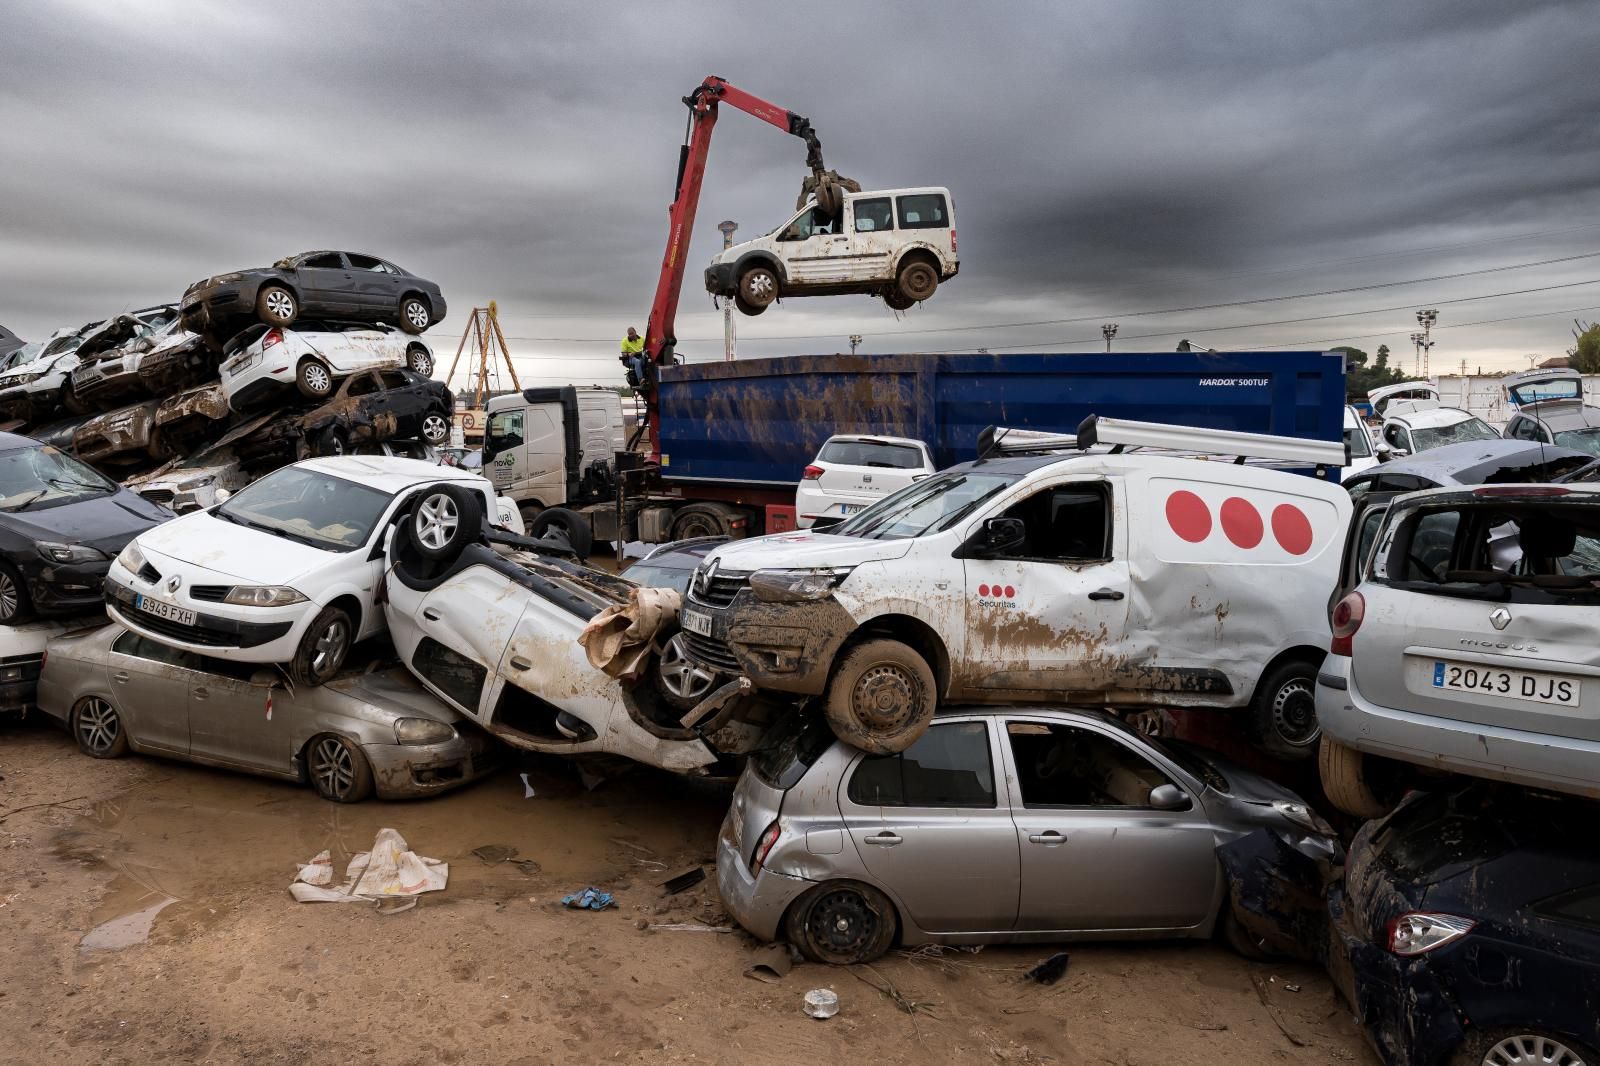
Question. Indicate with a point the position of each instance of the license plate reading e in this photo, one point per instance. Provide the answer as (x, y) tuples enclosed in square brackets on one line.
[(696, 623), (1531, 685), (162, 609)]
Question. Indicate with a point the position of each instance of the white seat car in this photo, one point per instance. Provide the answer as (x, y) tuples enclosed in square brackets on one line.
[(850, 472), (1414, 420), (283, 572), (313, 356), (895, 243)]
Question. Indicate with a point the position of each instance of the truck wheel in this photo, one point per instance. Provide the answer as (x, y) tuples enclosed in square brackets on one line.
[(570, 524), (1284, 711), (444, 520), (415, 314), (697, 521), (882, 697), (918, 279), (758, 286), (276, 306), (1346, 780), (747, 308)]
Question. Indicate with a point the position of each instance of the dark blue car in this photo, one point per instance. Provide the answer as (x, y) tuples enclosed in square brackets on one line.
[(1467, 930)]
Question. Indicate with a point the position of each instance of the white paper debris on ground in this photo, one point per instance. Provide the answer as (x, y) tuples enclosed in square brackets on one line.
[(389, 870)]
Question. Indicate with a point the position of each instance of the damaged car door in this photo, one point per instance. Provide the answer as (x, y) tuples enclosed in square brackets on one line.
[(231, 719), (150, 683)]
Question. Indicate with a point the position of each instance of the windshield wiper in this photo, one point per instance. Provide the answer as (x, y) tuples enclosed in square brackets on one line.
[(277, 531), (79, 484), (30, 501)]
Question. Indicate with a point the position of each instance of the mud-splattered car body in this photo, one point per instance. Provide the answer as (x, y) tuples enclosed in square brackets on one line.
[(185, 706), (1470, 918), (151, 363), (192, 484), (367, 409), (118, 438)]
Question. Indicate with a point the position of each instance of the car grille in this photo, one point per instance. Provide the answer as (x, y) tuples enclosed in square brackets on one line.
[(209, 593), (205, 635), (160, 496), (706, 651), (721, 591), (149, 573)]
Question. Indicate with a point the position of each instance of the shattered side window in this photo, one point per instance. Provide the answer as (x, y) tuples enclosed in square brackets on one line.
[(949, 767), (459, 678), (790, 750), (325, 261)]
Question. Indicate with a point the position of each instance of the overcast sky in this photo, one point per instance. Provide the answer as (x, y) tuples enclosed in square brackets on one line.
[(1105, 159)]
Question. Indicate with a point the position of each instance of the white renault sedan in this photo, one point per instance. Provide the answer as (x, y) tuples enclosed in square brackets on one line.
[(284, 571), (852, 472), (263, 361)]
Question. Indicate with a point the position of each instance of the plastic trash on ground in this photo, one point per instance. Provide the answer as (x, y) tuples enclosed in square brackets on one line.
[(821, 1003), (389, 870), (590, 899)]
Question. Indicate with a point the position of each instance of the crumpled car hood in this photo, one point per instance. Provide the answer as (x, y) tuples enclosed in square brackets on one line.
[(800, 550)]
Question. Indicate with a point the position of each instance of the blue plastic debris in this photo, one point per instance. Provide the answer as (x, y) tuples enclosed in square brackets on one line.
[(590, 898)]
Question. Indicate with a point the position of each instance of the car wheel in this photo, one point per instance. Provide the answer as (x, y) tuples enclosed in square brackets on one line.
[(419, 360), (415, 315), (917, 281), (332, 442), (323, 648), (746, 308), (842, 923), (1347, 780), (338, 769), (758, 286), (97, 727), (435, 428), (681, 683), (276, 305), (445, 519), (14, 605), (570, 524), (313, 379), (1284, 711), (882, 697), (1527, 1047), (897, 301)]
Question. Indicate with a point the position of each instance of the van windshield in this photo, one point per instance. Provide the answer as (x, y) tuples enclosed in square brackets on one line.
[(926, 507)]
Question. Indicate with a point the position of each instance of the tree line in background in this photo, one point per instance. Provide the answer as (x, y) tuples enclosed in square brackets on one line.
[(1584, 357), (1360, 378)]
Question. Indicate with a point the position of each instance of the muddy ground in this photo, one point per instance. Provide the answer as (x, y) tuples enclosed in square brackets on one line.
[(493, 970)]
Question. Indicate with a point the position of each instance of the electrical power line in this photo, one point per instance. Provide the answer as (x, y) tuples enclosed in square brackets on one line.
[(1398, 332)]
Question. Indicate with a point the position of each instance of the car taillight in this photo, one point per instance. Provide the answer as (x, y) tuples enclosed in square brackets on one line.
[(1346, 618), (273, 337), (1417, 932), (764, 847), (952, 239), (811, 473), (1520, 490)]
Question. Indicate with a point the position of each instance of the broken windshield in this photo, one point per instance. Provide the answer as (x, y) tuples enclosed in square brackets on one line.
[(1583, 440), (1471, 429), (926, 506)]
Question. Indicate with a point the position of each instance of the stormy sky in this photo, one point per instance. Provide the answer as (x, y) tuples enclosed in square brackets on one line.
[(1107, 160)]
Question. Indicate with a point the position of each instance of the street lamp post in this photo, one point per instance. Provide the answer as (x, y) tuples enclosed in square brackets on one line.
[(1416, 354), (1427, 319), (727, 229), (855, 339), (1108, 331)]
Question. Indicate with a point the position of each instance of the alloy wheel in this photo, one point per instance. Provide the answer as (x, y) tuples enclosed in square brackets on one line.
[(9, 597), (416, 314), (332, 767), (280, 303), (679, 675), (1529, 1050), (435, 428), (1294, 714), (317, 378), (330, 645), (437, 519), (98, 725), (422, 363)]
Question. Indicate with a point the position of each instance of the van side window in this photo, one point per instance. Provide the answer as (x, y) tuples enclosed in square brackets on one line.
[(923, 210), (1067, 523), (950, 766), (505, 431), (874, 215)]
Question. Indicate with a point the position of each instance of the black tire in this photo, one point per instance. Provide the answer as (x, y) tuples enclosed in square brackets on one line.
[(898, 301), (444, 519), (1479, 1048), (842, 923), (697, 520), (314, 380), (882, 697), (570, 523), (1237, 937), (1347, 781), (276, 305), (332, 442), (97, 727), (419, 360), (15, 604), (917, 280), (338, 769), (435, 428), (323, 648), (1283, 711), (747, 308), (415, 314), (681, 683), (758, 287)]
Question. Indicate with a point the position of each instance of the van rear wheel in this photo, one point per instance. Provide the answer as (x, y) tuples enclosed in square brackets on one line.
[(882, 697)]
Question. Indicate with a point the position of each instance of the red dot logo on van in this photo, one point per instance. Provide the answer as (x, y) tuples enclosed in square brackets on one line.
[(983, 590), (1241, 522), (1010, 592), (1189, 516), (1292, 528)]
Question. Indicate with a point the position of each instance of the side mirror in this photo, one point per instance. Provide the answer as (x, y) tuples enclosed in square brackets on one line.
[(1168, 798), (995, 537)]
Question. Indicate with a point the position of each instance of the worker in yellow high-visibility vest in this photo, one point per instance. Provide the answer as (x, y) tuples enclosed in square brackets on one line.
[(633, 357)]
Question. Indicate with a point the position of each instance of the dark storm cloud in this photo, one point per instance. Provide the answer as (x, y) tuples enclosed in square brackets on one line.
[(1104, 157)]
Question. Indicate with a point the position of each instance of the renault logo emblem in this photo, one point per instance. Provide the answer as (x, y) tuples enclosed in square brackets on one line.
[(1500, 617), (702, 583), (173, 582)]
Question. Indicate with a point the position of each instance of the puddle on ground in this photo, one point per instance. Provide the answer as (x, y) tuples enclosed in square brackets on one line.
[(213, 842)]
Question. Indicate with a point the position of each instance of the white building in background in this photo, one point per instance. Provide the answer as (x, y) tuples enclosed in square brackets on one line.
[(1485, 397)]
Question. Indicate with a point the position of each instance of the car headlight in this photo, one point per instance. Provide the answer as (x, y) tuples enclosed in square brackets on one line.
[(793, 586), (20, 379), (422, 731), (70, 553), (196, 483), (1300, 815), (131, 557), (262, 596)]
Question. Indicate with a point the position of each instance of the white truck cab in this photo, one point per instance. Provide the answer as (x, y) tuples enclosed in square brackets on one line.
[(548, 447), (895, 243), (1094, 576)]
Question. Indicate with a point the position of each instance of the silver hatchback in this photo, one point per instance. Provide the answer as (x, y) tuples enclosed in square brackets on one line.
[(998, 825)]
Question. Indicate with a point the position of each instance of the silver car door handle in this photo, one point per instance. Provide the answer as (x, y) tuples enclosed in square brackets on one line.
[(1048, 838), (120, 677), (430, 614), (201, 694), (519, 663), (884, 839)]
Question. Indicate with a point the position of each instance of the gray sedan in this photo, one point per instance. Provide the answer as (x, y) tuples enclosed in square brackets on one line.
[(999, 825), (361, 733)]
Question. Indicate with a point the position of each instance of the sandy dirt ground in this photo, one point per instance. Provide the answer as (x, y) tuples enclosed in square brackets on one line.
[(145, 918)]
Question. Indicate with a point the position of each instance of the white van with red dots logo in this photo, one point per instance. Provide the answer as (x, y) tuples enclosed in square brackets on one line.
[(1115, 568)]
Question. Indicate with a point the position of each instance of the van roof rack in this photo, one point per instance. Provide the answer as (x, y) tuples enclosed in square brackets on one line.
[(1122, 433)]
